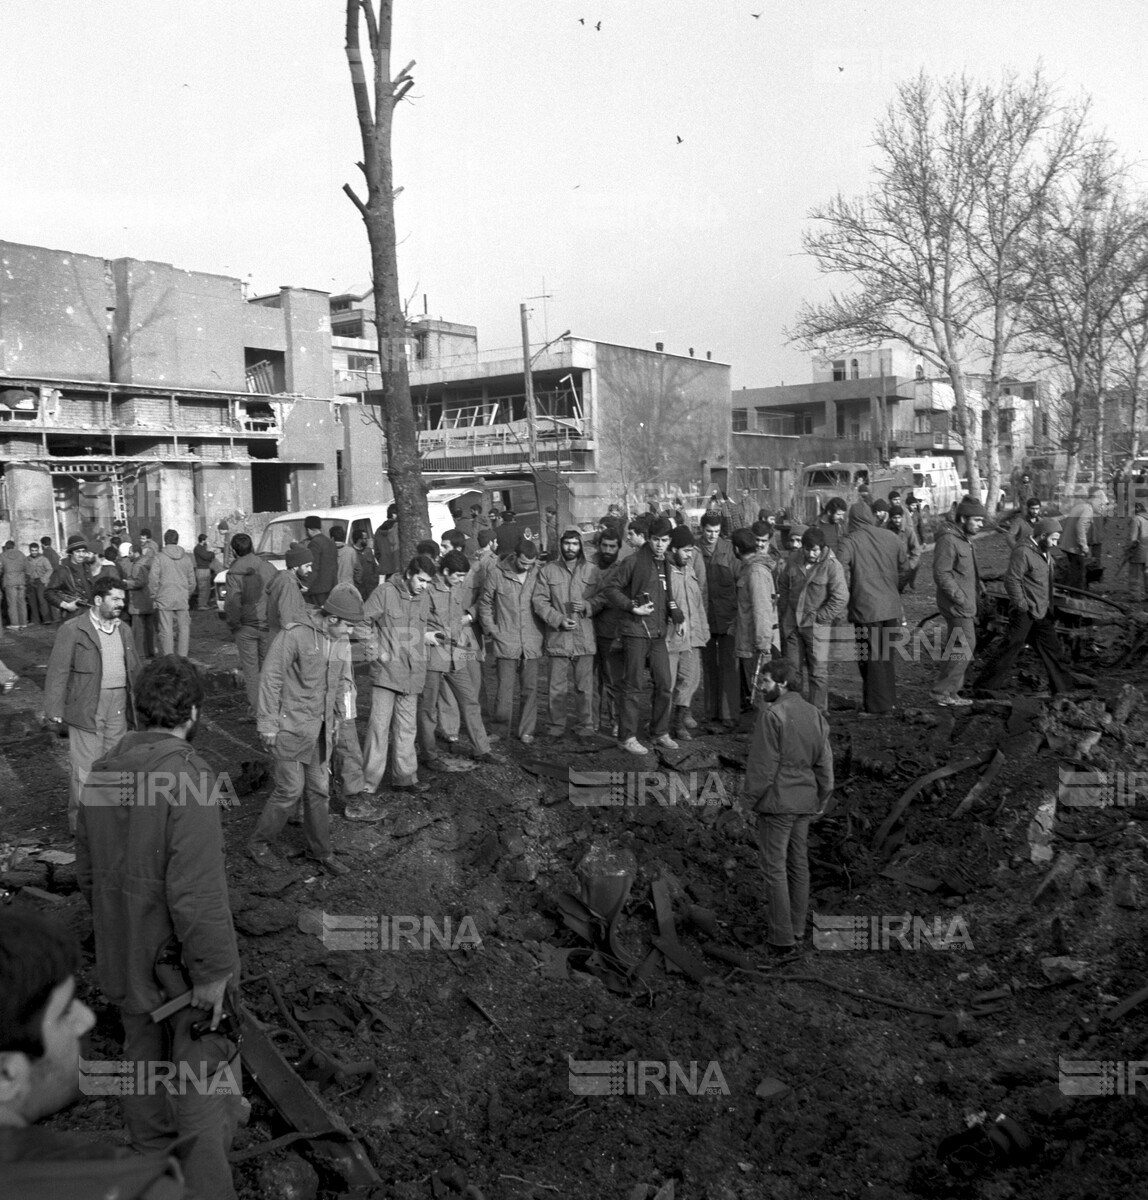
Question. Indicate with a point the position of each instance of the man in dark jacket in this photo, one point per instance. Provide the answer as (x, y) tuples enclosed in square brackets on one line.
[(958, 591), (719, 663), (832, 523), (325, 556), (387, 543), (286, 593), (245, 610), (136, 569), (70, 588), (153, 871), (609, 660), (204, 559), (366, 572), (89, 682), (1028, 582), (640, 587), (812, 597), (874, 561), (788, 783)]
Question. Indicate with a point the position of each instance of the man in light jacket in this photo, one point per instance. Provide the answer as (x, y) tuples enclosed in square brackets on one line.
[(756, 629), (1079, 541), (874, 561), (14, 573), (958, 591), (686, 641), (565, 601), (170, 584), (506, 612), (812, 597), (788, 783)]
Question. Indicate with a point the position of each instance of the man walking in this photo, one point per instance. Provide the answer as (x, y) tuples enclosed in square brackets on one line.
[(14, 574), (640, 586), (171, 581), (685, 640), (1078, 539), (245, 610), (874, 561), (89, 682), (153, 872), (812, 596), (204, 558), (721, 692), (1028, 582), (958, 591), (756, 627), (325, 561), (912, 544), (788, 783), (507, 615), (1019, 529), (565, 601), (306, 690), (135, 570), (398, 610)]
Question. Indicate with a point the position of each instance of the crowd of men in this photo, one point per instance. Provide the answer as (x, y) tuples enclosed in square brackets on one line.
[(749, 614)]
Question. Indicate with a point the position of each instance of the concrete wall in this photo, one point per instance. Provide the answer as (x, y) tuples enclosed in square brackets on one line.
[(363, 443), (29, 504), (220, 492), (165, 499), (53, 312), (310, 437), (307, 321)]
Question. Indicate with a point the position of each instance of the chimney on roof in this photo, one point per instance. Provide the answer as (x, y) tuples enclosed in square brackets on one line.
[(709, 356), (659, 346), (691, 352)]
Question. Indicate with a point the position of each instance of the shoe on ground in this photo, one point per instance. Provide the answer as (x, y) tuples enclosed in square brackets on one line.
[(436, 762), (683, 734), (494, 738), (527, 739), (666, 742), (633, 746), (10, 686), (363, 809), (586, 735), (330, 865), (263, 856), (953, 701), (556, 734), (779, 956), (688, 720), (416, 785), (491, 759)]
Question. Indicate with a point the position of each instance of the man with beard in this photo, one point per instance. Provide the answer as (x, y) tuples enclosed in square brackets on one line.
[(286, 593), (153, 871), (325, 557), (565, 602), (685, 640), (912, 544), (609, 660), (788, 783), (722, 694), (756, 627), (958, 594)]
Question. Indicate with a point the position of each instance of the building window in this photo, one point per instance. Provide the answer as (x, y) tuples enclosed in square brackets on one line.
[(854, 370), (361, 362), (920, 371), (806, 423), (740, 420), (1028, 393), (839, 371)]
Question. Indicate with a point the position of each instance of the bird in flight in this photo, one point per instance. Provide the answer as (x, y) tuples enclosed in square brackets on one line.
[(598, 27), (841, 68), (755, 16), (679, 141), (581, 20)]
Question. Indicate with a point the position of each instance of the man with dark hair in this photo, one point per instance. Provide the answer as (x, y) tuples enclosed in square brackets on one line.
[(325, 561), (721, 693), (49, 553), (637, 532), (686, 638), (641, 587), (429, 548), (507, 615), (14, 575), (88, 685), (245, 610), (831, 523), (874, 561), (152, 869), (135, 569), (452, 540), (345, 557), (306, 690), (509, 533), (788, 783), (204, 560), (70, 588), (565, 602), (958, 593), (366, 569), (1018, 530), (811, 597), (451, 619), (398, 610), (756, 626), (608, 643), (39, 575), (912, 544), (387, 543), (42, 1022), (171, 581)]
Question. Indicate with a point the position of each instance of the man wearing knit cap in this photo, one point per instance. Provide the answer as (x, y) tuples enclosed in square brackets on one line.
[(506, 612), (1028, 582), (958, 591), (811, 596), (565, 602), (286, 602), (685, 641)]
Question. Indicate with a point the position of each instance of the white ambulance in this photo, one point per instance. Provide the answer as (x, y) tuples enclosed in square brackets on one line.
[(935, 482)]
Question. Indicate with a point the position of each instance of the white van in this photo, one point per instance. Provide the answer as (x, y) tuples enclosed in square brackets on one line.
[(935, 482), (282, 532)]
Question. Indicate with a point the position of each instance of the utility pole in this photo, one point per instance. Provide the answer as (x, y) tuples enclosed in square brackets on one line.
[(528, 380)]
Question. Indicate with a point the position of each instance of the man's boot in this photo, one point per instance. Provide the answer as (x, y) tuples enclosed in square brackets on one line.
[(679, 728)]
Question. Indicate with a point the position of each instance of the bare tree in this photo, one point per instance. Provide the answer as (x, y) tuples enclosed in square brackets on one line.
[(1130, 361), (376, 95)]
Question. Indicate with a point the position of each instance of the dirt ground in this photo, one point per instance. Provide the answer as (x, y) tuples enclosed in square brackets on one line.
[(817, 1092)]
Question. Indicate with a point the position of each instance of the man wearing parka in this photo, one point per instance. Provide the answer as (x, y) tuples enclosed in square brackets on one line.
[(154, 875), (685, 642), (1080, 539), (70, 588), (610, 659), (640, 586), (398, 610), (506, 613), (812, 597), (245, 610), (89, 683), (171, 582), (565, 601), (874, 560), (958, 590), (788, 782), (756, 629), (721, 691), (136, 570), (307, 688)]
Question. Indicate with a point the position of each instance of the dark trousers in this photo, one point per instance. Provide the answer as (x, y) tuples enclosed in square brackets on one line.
[(1025, 629), (38, 602), (720, 689), (875, 660), (611, 664), (144, 630), (641, 652), (1076, 572)]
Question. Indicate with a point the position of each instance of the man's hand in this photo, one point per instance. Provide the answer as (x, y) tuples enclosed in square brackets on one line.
[(432, 639), (568, 624), (579, 606), (210, 995), (268, 740), (68, 605), (643, 610)]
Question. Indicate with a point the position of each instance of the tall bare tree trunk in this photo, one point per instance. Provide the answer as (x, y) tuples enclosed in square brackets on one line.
[(375, 114)]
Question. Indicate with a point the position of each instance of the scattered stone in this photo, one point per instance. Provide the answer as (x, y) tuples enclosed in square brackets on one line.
[(287, 1177), (1127, 703), (1058, 879), (771, 1088), (1048, 1104), (60, 858), (1063, 970), (1126, 890), (42, 897), (270, 916), (1040, 830)]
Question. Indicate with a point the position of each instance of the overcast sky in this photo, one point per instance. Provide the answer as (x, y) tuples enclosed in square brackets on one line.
[(217, 134)]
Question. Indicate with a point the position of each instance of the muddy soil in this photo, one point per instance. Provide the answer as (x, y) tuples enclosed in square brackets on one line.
[(477, 1030)]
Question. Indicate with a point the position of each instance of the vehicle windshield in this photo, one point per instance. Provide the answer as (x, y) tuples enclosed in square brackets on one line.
[(280, 534), (918, 479), (823, 478)]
